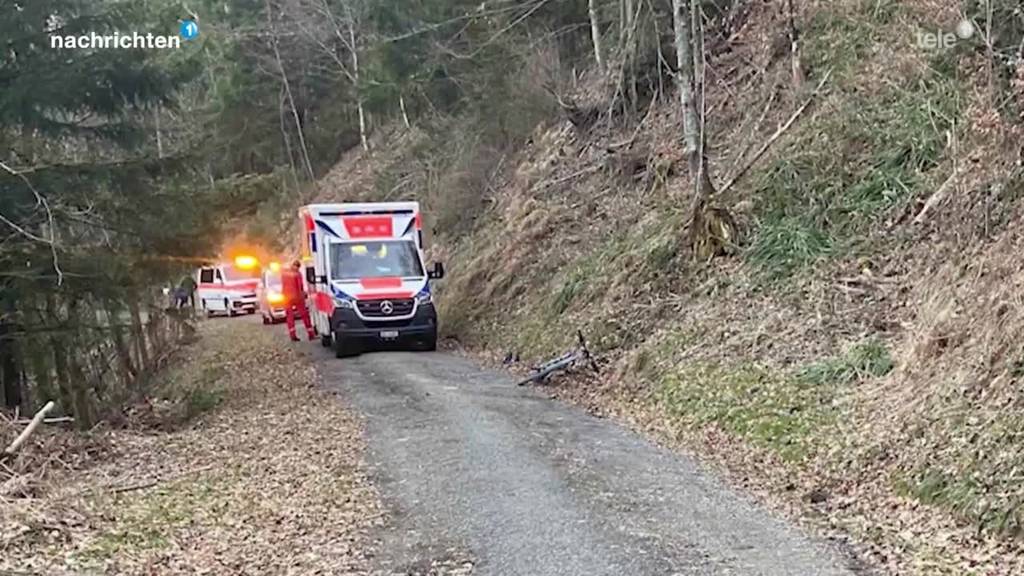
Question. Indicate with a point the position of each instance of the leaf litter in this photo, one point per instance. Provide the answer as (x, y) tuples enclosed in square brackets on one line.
[(238, 465)]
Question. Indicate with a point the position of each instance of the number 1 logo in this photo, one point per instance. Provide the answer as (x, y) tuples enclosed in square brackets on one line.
[(189, 29)]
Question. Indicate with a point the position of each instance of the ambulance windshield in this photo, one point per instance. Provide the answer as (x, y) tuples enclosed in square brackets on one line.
[(377, 259)]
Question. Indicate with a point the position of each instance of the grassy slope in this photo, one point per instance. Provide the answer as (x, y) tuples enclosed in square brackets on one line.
[(844, 355)]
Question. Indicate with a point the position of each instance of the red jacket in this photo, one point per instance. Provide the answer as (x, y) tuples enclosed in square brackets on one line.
[(291, 286)]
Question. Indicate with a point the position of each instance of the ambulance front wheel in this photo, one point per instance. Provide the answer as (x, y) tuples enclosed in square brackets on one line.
[(429, 344), (344, 348)]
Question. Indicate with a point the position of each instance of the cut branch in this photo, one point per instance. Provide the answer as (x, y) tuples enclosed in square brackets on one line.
[(937, 197), (36, 421)]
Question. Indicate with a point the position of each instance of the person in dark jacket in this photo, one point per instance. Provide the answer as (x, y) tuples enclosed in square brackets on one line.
[(187, 287), (295, 300)]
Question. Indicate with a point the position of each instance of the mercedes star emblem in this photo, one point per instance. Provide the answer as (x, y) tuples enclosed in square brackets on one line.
[(387, 307)]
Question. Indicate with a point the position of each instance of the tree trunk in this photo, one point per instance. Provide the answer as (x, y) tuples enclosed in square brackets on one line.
[(796, 65), (78, 384), (630, 49), (138, 334), (288, 92), (11, 373), (159, 135), (405, 115), (685, 82), (711, 231), (356, 85), (60, 368), (124, 355), (39, 367), (288, 141), (595, 34), (155, 328), (703, 186), (10, 368)]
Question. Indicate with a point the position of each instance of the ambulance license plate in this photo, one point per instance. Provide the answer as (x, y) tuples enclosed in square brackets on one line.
[(389, 334)]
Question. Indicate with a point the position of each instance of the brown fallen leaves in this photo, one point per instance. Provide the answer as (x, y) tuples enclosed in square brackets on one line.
[(265, 478)]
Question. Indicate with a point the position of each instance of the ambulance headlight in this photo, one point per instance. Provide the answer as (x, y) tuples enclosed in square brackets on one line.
[(424, 298), (344, 303)]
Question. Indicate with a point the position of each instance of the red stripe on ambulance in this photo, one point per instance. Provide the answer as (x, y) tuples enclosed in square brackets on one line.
[(232, 288), (383, 282), (323, 302), (383, 295), (368, 226)]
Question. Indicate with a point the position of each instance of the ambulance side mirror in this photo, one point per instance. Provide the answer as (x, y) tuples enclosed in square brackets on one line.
[(310, 276), (437, 273)]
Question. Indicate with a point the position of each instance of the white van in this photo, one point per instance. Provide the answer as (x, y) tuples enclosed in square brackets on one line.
[(270, 295), (226, 288)]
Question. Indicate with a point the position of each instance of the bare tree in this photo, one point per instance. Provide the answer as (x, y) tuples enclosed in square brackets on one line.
[(330, 28), (595, 33), (405, 115), (794, 48), (685, 82), (288, 90), (711, 229)]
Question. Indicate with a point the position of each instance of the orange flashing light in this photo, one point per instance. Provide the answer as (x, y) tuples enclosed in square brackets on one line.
[(275, 266), (246, 262), (275, 298)]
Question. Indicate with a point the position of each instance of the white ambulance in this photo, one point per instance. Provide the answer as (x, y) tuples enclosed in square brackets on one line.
[(366, 277), (228, 288)]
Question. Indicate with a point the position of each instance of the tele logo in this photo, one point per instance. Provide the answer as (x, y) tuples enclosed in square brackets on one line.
[(944, 40)]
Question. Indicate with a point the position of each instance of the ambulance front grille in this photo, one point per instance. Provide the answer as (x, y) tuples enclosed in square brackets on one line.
[(380, 308)]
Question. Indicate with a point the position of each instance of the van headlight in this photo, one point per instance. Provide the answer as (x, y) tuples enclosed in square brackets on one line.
[(344, 303), (424, 298)]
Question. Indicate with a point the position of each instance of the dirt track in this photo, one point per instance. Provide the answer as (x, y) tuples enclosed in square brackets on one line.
[(481, 476)]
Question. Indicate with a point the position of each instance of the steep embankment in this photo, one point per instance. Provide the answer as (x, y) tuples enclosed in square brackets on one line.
[(858, 358)]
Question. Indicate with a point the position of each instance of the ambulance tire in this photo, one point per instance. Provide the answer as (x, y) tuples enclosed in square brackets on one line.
[(343, 349), (429, 344)]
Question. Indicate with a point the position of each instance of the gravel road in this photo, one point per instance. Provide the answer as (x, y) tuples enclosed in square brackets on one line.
[(490, 479)]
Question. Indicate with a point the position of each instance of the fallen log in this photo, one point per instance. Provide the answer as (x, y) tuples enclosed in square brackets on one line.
[(36, 421), (56, 420)]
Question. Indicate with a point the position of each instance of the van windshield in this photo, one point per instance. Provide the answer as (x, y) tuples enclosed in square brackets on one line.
[(378, 259), (272, 280), (234, 274)]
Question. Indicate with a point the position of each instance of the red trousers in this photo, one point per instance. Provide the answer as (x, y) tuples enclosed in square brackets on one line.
[(289, 317)]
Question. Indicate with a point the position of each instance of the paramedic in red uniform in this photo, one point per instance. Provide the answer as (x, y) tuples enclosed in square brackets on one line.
[(295, 300)]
